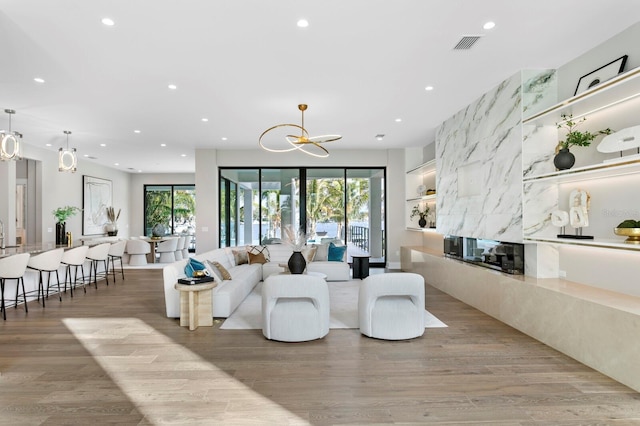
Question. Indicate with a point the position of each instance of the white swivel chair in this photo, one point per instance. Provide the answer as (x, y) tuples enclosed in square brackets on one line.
[(74, 258), (138, 250), (167, 250), (116, 251), (185, 248), (97, 254), (179, 247), (295, 308), (48, 262), (13, 268), (391, 306)]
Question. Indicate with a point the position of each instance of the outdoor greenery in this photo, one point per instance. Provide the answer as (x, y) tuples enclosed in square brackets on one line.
[(158, 208)]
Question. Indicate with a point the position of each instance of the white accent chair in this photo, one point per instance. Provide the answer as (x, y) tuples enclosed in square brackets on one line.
[(74, 257), (295, 308), (185, 247), (179, 246), (167, 250), (48, 262), (13, 268), (138, 250), (391, 306)]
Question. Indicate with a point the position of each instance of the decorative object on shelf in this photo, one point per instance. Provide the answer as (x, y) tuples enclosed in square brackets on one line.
[(431, 192), (67, 158), (621, 140), (96, 196), (421, 190), (631, 229), (579, 202), (564, 159), (10, 141), (158, 231), (297, 240), (421, 213), (560, 218), (112, 226), (302, 142), (600, 75), (62, 214)]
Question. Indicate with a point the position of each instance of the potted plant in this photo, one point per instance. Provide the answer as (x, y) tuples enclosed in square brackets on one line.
[(112, 227), (422, 213), (629, 228), (62, 214), (564, 159)]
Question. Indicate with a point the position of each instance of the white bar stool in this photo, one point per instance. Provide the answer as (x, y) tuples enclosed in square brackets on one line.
[(13, 268), (74, 257), (48, 262), (96, 254), (116, 251)]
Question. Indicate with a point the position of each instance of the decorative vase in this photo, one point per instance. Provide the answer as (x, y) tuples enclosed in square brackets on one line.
[(61, 235), (158, 230), (297, 263), (564, 159), (111, 228), (422, 222)]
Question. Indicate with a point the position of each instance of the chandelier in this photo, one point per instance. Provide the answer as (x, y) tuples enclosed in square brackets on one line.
[(310, 145), (10, 143), (67, 158)]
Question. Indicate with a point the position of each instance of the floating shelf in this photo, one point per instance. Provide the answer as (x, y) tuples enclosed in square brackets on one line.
[(597, 242), (428, 167), (618, 167), (426, 197)]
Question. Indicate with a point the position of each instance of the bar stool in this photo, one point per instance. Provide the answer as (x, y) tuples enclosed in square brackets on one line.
[(96, 254), (167, 250), (13, 268), (48, 262), (74, 257), (116, 251), (179, 246)]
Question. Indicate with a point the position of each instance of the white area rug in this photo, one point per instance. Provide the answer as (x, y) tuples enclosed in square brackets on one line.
[(344, 309)]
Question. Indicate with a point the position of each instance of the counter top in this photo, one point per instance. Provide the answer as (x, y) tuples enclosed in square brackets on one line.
[(38, 248)]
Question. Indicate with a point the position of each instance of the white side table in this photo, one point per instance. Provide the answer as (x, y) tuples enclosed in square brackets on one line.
[(196, 304)]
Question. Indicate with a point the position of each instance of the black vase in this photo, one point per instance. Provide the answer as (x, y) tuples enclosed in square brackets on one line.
[(297, 263), (422, 222), (564, 159), (61, 235)]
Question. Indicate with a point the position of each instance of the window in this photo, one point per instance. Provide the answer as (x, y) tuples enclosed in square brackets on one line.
[(171, 210)]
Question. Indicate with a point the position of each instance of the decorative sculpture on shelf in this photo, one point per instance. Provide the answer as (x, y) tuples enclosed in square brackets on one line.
[(577, 217)]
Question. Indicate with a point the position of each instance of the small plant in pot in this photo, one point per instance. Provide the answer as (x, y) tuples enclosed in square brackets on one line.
[(62, 214), (422, 213), (112, 226), (564, 159)]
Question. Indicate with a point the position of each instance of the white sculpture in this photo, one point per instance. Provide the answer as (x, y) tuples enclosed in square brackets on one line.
[(579, 202), (559, 218)]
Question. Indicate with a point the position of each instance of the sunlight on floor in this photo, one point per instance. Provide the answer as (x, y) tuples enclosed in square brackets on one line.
[(168, 383)]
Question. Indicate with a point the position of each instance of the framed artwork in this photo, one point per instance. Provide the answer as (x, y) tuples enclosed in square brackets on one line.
[(604, 73), (96, 197)]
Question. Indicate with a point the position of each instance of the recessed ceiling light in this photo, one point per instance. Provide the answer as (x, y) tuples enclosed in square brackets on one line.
[(489, 25), (116, 164), (183, 155), (136, 131), (108, 22), (172, 86), (428, 88), (139, 171), (398, 120), (379, 136), (163, 144), (303, 23), (48, 144), (86, 155), (205, 119), (39, 80), (224, 138), (103, 144)]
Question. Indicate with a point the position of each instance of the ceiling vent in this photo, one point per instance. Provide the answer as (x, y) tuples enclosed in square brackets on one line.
[(466, 42)]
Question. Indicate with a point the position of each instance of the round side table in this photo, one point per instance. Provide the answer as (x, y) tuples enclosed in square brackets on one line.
[(196, 304)]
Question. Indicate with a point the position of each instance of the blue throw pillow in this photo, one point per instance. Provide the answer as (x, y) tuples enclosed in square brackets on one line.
[(336, 253), (193, 265)]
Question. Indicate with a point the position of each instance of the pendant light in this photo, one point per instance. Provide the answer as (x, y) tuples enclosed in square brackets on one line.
[(67, 158), (10, 142)]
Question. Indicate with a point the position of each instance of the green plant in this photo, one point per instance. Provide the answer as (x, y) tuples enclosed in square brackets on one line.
[(111, 214), (63, 213), (576, 137), (422, 213), (629, 223)]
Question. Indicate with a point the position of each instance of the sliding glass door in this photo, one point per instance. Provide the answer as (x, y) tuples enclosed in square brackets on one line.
[(173, 207)]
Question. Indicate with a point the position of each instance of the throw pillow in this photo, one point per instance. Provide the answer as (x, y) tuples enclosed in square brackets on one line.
[(336, 253), (223, 271), (259, 249), (309, 253), (257, 258), (240, 257), (192, 266), (322, 251), (213, 271)]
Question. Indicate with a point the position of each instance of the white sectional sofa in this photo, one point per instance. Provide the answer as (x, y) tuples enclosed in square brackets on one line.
[(228, 294)]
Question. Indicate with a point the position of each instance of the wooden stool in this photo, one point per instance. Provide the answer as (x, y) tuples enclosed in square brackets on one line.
[(196, 304)]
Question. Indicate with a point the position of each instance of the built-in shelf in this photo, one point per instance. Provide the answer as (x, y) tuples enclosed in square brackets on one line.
[(429, 166), (423, 198), (617, 167), (597, 242), (411, 228), (619, 89)]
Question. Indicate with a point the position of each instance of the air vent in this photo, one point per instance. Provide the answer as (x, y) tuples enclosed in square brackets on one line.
[(466, 42), (91, 157), (131, 168)]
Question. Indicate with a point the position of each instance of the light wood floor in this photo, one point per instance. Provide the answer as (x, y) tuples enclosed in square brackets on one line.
[(111, 357)]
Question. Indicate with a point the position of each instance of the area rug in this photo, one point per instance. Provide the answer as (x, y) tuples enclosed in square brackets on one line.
[(343, 297)]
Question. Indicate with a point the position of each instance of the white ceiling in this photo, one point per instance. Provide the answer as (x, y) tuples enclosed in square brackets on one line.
[(245, 65)]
